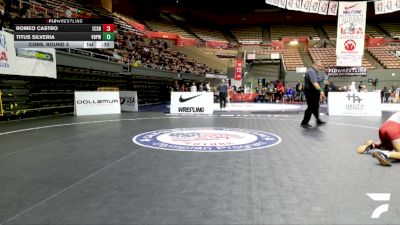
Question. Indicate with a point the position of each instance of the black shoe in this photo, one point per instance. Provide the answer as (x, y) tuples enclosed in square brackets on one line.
[(320, 122), (306, 125)]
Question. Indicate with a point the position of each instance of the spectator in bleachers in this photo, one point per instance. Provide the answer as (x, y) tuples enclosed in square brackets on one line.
[(201, 87), (193, 88), (300, 91), (325, 42), (280, 90), (288, 93), (352, 87)]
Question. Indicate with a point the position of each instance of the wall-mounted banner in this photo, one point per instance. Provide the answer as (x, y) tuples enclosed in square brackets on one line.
[(192, 102), (129, 101), (346, 72), (238, 69), (351, 31), (26, 61)]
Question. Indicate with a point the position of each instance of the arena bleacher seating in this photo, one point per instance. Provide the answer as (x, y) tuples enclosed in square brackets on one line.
[(386, 56), (248, 35), (330, 30), (207, 34), (328, 57), (393, 29), (283, 30), (292, 57), (164, 25)]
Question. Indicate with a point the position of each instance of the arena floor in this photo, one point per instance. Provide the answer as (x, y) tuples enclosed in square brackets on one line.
[(88, 170)]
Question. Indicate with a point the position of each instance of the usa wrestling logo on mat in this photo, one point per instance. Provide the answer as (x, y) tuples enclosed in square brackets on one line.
[(207, 139)]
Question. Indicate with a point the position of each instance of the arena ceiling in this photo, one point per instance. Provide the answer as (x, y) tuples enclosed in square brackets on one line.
[(229, 12)]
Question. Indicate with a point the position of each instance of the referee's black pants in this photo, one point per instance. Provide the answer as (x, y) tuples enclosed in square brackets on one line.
[(312, 98), (222, 99)]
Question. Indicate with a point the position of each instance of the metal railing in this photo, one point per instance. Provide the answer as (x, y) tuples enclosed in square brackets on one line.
[(97, 55)]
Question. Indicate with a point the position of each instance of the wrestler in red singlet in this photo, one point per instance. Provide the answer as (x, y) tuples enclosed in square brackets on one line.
[(390, 131)]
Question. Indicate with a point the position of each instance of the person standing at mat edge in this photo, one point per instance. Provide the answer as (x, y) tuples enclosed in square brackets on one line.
[(313, 93), (223, 93)]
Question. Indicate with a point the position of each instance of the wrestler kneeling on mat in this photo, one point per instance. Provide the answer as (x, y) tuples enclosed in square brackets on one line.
[(389, 146)]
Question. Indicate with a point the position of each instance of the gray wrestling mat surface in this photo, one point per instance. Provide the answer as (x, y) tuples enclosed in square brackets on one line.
[(87, 170)]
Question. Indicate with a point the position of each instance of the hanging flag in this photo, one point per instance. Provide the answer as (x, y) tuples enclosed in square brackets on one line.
[(351, 33), (297, 5), (379, 7), (238, 69), (323, 7), (305, 7), (314, 6), (390, 6), (333, 7), (289, 4), (282, 4)]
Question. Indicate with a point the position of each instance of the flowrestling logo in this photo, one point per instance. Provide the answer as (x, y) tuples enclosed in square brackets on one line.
[(207, 139)]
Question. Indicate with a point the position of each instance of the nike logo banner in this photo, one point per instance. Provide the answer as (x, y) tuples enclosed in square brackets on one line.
[(187, 99)]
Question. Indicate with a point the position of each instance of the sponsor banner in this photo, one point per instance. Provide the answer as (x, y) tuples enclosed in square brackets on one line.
[(351, 28), (209, 139), (333, 8), (128, 101), (351, 33), (238, 69), (346, 72), (323, 7), (192, 103), (349, 60), (96, 103), (314, 6), (354, 104), (26, 61)]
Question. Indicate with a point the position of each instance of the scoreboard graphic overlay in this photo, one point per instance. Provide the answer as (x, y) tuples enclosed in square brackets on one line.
[(64, 33)]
